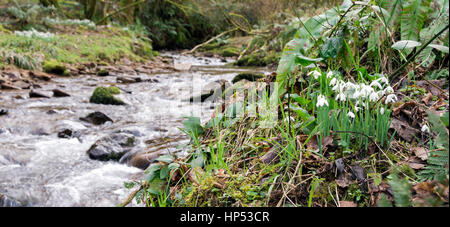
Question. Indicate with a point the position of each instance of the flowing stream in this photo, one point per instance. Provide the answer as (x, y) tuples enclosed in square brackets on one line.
[(39, 169)]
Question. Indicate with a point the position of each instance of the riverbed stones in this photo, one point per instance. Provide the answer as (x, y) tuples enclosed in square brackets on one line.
[(3, 112), (6, 201), (211, 91), (58, 93), (8, 86), (96, 118), (143, 160), (65, 134), (128, 80), (112, 147), (40, 76), (35, 94)]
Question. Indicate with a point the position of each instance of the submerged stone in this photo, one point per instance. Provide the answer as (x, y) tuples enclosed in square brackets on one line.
[(112, 147), (96, 118)]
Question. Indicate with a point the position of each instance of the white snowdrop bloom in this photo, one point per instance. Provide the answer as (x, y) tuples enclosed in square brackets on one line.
[(381, 110), (383, 80), (350, 85), (357, 94), (388, 90), (321, 101), (374, 96), (425, 129), (351, 114), (341, 97), (315, 74), (391, 98), (375, 83), (330, 74), (339, 87), (333, 82), (366, 91), (336, 87), (34, 33)]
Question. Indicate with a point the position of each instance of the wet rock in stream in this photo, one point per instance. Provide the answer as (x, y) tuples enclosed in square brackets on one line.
[(6, 201), (3, 112), (96, 118), (58, 93), (212, 91), (112, 147), (105, 95), (34, 94), (68, 134)]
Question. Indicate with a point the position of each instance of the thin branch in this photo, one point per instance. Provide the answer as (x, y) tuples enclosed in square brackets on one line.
[(410, 59)]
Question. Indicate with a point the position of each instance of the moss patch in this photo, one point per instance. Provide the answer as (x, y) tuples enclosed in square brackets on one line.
[(54, 67), (247, 76), (259, 59), (104, 45), (105, 95)]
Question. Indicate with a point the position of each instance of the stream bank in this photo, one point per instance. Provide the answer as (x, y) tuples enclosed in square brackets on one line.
[(44, 140)]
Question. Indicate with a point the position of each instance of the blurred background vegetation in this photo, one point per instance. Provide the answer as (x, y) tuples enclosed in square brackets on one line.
[(170, 24)]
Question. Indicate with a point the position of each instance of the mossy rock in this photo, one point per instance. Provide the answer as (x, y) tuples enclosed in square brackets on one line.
[(4, 30), (52, 66), (103, 72), (105, 95), (251, 60), (259, 59), (212, 46), (247, 76), (230, 52)]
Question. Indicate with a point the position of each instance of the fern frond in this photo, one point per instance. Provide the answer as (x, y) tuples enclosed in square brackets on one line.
[(414, 15), (438, 162), (401, 189)]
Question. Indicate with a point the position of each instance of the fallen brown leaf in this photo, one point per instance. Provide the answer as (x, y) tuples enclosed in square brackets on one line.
[(421, 153), (404, 130)]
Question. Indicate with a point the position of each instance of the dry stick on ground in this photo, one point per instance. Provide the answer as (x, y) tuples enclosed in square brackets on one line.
[(290, 181), (130, 197)]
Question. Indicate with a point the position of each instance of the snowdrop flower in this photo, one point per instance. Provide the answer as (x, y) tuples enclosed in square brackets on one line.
[(357, 94), (341, 97), (333, 81), (350, 85), (375, 83), (382, 111), (374, 96), (366, 90), (425, 129), (383, 80), (34, 33), (315, 74), (351, 114), (339, 87), (330, 74), (391, 98), (321, 101), (388, 90)]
